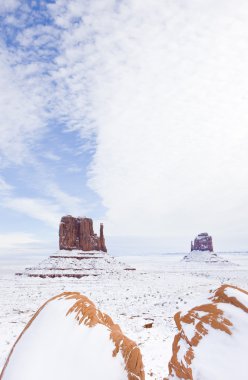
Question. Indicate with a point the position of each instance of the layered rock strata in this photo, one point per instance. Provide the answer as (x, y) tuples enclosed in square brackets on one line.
[(80, 264), (78, 233)]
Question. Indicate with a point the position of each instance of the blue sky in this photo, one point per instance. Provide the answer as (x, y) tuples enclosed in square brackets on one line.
[(45, 157), (133, 113)]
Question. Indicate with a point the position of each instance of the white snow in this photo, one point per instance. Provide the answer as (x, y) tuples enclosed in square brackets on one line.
[(76, 262), (55, 346), (231, 292), (161, 286), (205, 256), (201, 237), (222, 356)]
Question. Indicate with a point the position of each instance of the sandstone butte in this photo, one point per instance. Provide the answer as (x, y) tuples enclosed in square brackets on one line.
[(78, 233), (202, 242), (72, 309), (212, 340)]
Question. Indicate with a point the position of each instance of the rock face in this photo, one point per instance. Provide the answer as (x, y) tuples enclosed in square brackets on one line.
[(212, 342), (87, 259), (78, 233), (202, 242), (96, 347)]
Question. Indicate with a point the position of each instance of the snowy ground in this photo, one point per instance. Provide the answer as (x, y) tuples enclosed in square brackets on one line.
[(159, 287)]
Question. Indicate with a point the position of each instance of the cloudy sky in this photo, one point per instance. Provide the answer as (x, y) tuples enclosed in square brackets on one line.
[(132, 112)]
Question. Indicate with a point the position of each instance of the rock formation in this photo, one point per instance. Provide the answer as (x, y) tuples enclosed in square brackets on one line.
[(87, 259), (205, 257), (202, 242), (96, 347), (212, 339), (78, 233), (76, 265)]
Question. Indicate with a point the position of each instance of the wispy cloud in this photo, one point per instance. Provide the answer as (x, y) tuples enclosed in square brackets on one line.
[(68, 203), (48, 209), (158, 89), (20, 116), (74, 169), (166, 90), (51, 156), (36, 208), (8, 6), (17, 239), (5, 188), (36, 87), (34, 100)]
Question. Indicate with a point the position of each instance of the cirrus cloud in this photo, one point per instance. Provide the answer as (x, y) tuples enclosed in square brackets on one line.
[(159, 92), (166, 87)]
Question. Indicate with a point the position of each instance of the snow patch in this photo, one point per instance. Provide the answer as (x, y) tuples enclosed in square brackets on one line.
[(56, 346), (205, 257)]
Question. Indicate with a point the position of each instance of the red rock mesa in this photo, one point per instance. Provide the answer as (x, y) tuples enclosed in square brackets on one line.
[(202, 242), (78, 233)]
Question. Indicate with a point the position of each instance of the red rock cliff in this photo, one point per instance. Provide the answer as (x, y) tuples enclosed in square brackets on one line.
[(78, 233)]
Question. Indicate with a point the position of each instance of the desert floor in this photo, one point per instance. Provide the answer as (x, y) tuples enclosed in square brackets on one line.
[(160, 286)]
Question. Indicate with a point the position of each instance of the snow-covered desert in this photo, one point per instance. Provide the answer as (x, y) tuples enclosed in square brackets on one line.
[(124, 119), (142, 301)]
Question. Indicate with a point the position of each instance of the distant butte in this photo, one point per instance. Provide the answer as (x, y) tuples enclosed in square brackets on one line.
[(78, 233), (202, 242)]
